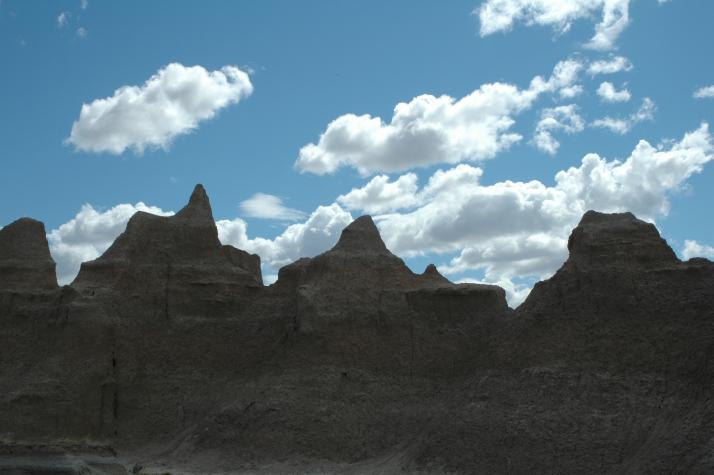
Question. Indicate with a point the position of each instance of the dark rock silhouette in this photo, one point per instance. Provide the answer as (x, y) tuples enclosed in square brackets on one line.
[(176, 263), (168, 352), (25, 261)]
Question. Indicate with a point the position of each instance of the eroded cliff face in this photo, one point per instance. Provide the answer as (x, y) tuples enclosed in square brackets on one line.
[(25, 261), (169, 349), (176, 265)]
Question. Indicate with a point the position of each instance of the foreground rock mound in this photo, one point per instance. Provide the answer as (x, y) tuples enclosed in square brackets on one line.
[(25, 261), (168, 352)]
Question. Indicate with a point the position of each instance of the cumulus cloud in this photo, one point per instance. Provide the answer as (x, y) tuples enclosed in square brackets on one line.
[(428, 130), (501, 15), (170, 103), (613, 65), (81, 32), (704, 92), (262, 205), (380, 195), (89, 234), (608, 93), (561, 118), (571, 91), (318, 233), (694, 249), (623, 125)]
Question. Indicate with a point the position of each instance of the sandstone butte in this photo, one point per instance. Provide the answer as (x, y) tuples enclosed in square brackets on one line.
[(168, 354)]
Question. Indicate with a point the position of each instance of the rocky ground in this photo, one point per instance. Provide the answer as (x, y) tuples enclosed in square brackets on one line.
[(167, 354)]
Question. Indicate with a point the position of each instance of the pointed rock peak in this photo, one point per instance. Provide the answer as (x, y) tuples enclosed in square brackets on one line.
[(603, 239), (198, 206), (432, 274), (198, 196), (361, 235)]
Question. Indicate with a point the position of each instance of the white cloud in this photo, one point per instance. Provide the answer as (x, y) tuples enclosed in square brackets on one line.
[(81, 32), (89, 234), (380, 195), (428, 130), (565, 118), (63, 19), (623, 125), (83, 4), (262, 205), (501, 15), (608, 93), (613, 65), (694, 249), (170, 103), (318, 233), (704, 92), (571, 91)]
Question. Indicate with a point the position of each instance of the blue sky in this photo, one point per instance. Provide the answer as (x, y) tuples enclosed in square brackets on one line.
[(270, 77)]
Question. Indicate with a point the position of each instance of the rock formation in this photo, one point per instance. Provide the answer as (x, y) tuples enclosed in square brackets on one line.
[(25, 261), (360, 278), (175, 264), (168, 353)]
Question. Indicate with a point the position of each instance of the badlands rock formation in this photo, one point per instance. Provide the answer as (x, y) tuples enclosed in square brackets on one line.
[(25, 261), (168, 354)]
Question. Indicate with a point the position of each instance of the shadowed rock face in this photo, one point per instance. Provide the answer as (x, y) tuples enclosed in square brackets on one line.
[(608, 241), (25, 261), (169, 349), (614, 256), (177, 258), (359, 278)]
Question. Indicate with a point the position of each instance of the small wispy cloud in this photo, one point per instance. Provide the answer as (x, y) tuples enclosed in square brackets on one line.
[(623, 125), (265, 206), (704, 92), (63, 19), (613, 65), (608, 93), (561, 118), (81, 32)]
